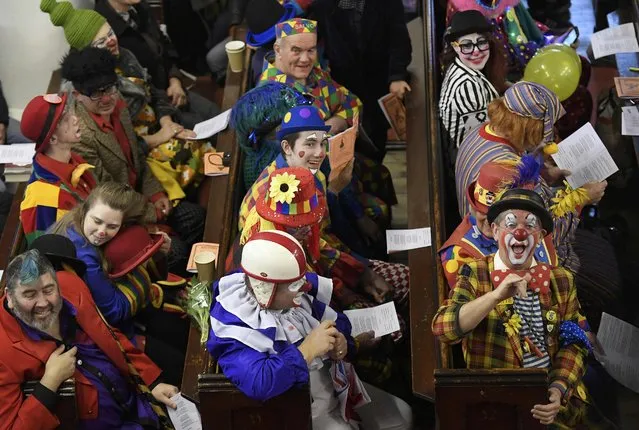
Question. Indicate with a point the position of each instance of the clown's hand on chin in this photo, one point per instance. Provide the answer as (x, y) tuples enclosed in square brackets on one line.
[(512, 285)]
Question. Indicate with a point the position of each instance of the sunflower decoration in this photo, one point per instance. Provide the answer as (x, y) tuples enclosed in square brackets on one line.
[(283, 188), (513, 325)]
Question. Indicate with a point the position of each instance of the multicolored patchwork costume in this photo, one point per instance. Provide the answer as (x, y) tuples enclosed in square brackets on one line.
[(53, 189), (495, 344), (331, 98)]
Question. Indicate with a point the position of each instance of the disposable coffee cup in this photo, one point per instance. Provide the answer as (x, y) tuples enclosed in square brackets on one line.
[(235, 51), (205, 263)]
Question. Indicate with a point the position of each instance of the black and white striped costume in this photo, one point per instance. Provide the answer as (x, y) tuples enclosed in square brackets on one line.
[(463, 100)]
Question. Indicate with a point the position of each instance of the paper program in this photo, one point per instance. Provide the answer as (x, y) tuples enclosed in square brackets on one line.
[(630, 121), (584, 154), (381, 319), (404, 240), (620, 343), (614, 40), (186, 416), (20, 154), (210, 127)]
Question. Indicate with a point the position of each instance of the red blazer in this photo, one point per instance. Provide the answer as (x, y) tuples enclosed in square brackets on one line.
[(23, 359)]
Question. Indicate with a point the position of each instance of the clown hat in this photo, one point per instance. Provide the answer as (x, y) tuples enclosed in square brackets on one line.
[(59, 250), (492, 179), (526, 200), (131, 247), (301, 118), (292, 199), (261, 18), (467, 22), (295, 26), (41, 117)]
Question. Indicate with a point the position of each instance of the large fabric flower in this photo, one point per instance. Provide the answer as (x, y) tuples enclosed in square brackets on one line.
[(513, 325), (283, 188)]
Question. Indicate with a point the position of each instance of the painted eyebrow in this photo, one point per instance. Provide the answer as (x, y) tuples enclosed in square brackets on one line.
[(311, 137)]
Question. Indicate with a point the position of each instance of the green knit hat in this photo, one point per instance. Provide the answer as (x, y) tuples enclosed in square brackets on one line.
[(80, 26)]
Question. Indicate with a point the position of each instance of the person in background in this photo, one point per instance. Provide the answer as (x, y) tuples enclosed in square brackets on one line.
[(368, 49), (475, 68), (61, 179), (51, 331), (109, 143), (9, 127), (136, 29)]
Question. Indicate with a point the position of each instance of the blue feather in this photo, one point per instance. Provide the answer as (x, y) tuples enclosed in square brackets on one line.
[(528, 170)]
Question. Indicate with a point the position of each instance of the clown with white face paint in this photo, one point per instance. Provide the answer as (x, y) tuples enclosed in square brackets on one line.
[(511, 311), (290, 336), (474, 77)]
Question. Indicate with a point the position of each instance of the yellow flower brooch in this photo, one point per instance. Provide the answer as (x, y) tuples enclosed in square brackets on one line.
[(513, 325), (283, 188)]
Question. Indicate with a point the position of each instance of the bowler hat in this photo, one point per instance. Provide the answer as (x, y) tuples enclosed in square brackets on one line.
[(58, 250), (301, 118), (526, 200), (467, 22), (129, 248)]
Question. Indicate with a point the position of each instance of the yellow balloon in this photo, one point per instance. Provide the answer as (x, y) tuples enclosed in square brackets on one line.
[(555, 68)]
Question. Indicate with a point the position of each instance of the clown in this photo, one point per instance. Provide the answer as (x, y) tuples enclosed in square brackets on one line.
[(303, 143), (522, 121), (511, 311), (291, 336), (475, 70), (473, 238), (295, 64)]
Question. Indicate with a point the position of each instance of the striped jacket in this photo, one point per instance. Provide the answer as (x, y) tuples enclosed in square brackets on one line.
[(331, 98), (490, 346), (481, 147), (464, 99)]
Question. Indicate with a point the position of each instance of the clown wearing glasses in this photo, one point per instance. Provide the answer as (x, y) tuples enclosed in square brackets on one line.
[(511, 311)]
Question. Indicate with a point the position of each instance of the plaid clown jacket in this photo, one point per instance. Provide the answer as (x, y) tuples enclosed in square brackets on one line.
[(490, 346), (331, 98)]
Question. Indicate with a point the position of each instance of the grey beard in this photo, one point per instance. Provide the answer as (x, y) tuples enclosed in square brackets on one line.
[(38, 324)]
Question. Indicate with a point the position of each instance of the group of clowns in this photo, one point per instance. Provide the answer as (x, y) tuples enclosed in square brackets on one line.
[(307, 247)]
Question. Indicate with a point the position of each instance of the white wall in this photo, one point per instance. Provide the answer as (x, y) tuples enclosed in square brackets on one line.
[(31, 47)]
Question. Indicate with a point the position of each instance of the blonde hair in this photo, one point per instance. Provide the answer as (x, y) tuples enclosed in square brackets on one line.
[(525, 134)]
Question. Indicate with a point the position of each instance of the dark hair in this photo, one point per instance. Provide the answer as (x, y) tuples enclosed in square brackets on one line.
[(26, 268), (290, 138), (495, 69), (89, 69)]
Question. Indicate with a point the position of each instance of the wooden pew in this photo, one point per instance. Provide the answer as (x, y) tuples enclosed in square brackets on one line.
[(223, 406), (502, 399)]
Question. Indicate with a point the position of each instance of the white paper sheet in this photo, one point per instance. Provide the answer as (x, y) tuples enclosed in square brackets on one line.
[(403, 240), (18, 153), (381, 319), (186, 416), (1, 273), (630, 121), (620, 343), (614, 40), (584, 154), (213, 126)]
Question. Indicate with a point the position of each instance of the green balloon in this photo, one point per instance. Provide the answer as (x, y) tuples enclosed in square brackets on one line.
[(557, 67)]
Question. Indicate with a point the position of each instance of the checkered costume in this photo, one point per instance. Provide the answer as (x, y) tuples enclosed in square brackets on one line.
[(331, 98), (490, 346)]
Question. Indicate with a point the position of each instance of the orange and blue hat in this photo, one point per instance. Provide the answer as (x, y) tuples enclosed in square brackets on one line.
[(301, 118), (295, 26)]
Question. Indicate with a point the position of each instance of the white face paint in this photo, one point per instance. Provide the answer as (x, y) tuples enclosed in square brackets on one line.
[(523, 225), (476, 59), (295, 287)]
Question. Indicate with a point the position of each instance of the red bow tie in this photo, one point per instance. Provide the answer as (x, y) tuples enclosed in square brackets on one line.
[(539, 282)]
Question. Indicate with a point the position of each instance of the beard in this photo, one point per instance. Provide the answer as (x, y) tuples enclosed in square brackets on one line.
[(30, 317)]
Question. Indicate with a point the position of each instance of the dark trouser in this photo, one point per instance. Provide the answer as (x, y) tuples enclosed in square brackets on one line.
[(187, 221), (197, 109)]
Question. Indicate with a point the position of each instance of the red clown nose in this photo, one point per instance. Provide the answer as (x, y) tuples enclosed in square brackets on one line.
[(520, 234)]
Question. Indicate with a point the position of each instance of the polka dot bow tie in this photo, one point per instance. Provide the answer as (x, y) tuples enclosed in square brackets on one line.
[(539, 282)]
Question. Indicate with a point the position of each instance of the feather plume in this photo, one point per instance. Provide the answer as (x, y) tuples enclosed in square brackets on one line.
[(528, 170)]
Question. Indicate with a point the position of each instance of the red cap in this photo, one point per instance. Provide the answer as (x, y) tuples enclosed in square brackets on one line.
[(129, 248), (491, 180), (40, 118)]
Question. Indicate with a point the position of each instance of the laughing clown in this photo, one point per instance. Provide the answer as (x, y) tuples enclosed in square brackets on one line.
[(511, 311)]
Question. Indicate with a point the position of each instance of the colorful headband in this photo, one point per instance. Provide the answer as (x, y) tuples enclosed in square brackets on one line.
[(295, 26)]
